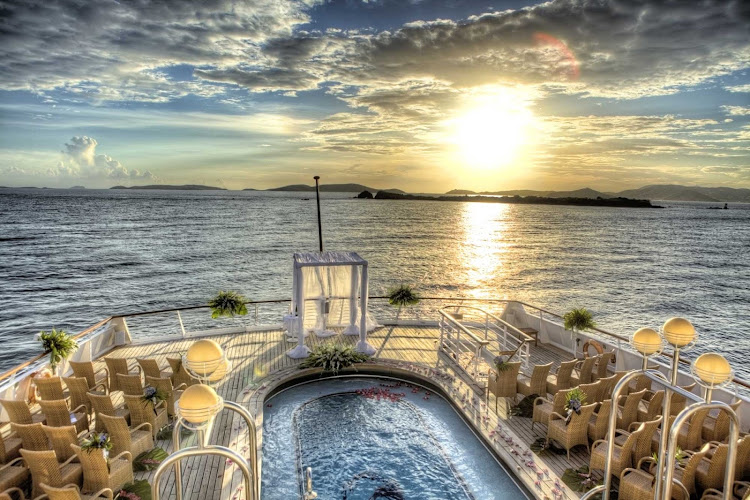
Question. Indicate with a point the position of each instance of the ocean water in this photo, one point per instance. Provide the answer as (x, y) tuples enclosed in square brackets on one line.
[(70, 258)]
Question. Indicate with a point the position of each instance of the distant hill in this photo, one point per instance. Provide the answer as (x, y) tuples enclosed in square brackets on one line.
[(249, 189), (77, 187), (335, 188), (184, 187), (667, 192)]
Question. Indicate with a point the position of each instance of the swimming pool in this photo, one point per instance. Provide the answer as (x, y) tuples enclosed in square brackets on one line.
[(371, 438)]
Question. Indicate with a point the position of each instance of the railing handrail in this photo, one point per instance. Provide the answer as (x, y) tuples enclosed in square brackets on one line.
[(463, 328), (88, 330)]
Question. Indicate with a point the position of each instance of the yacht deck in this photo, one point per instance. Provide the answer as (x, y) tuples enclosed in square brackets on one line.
[(259, 357)]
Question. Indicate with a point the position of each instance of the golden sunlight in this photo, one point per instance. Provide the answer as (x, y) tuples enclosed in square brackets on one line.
[(492, 133), (483, 246)]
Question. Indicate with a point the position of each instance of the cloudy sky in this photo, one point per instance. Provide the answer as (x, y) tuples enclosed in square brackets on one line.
[(426, 95)]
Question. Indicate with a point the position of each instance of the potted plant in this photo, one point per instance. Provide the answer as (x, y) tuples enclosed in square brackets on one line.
[(332, 357), (227, 304), (59, 344), (401, 296), (578, 320), (574, 399)]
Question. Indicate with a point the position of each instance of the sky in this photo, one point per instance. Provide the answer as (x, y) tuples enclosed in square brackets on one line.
[(422, 95)]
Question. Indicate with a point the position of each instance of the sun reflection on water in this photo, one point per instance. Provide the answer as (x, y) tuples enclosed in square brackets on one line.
[(484, 248)]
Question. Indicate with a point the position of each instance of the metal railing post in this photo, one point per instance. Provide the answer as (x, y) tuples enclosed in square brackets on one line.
[(252, 437), (182, 327)]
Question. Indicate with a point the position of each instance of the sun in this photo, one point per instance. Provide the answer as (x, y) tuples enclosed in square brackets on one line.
[(491, 134)]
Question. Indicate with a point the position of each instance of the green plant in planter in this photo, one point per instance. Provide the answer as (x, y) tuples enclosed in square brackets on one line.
[(578, 320), (59, 344), (332, 357), (402, 296), (227, 304)]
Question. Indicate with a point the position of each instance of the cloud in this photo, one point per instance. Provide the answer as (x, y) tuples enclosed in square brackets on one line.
[(737, 110), (739, 88), (81, 160)]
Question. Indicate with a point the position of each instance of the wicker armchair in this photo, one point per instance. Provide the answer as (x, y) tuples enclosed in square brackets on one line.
[(78, 389), (132, 385), (503, 384), (710, 471), (649, 409), (6, 494), (72, 492), (19, 412), (536, 383), (622, 457), (13, 474), (679, 401), (642, 447), (180, 375), (592, 392), (607, 385), (117, 366), (716, 427), (61, 438), (165, 384), (584, 371), (49, 388), (543, 408), (599, 422), (561, 379), (10, 447), (639, 383), (98, 473), (46, 469), (637, 484), (87, 370), (32, 436), (58, 415), (574, 433), (627, 409), (144, 412), (689, 437), (602, 365), (103, 405), (151, 368), (136, 441)]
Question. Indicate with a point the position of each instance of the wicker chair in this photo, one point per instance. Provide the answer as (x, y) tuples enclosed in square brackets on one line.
[(46, 469), (536, 384), (13, 474), (61, 438), (543, 408), (10, 447), (639, 383), (627, 409), (78, 389), (503, 384), (561, 379), (136, 441), (716, 427), (592, 392), (607, 385), (648, 410), (599, 422), (72, 492), (49, 388), (98, 473), (151, 368), (622, 458), (117, 366), (637, 484), (642, 447), (573, 434), (6, 494), (103, 405), (132, 385), (32, 436), (180, 375), (19, 412), (603, 364), (144, 412), (585, 371), (710, 471), (58, 415), (165, 384), (679, 401), (689, 437), (87, 370)]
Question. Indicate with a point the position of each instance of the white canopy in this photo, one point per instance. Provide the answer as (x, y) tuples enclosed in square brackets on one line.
[(330, 289)]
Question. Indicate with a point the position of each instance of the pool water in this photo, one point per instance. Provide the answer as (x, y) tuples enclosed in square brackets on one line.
[(370, 439)]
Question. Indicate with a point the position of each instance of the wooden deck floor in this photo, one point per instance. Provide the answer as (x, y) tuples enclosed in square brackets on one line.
[(257, 355)]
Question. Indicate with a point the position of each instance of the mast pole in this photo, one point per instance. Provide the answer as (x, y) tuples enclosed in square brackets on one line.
[(320, 227)]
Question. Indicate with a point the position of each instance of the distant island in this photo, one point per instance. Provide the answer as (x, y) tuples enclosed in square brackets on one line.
[(335, 188), (666, 192), (525, 200), (77, 187), (184, 187)]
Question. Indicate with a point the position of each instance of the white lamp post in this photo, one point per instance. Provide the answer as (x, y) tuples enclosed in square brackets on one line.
[(648, 343), (711, 370)]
